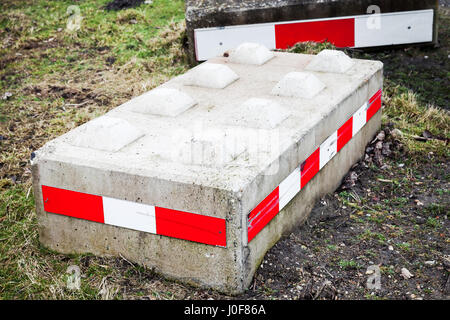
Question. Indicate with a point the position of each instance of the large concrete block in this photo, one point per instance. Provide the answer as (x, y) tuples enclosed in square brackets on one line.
[(214, 26), (198, 179)]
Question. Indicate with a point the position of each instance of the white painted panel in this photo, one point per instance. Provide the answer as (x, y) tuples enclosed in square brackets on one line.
[(289, 188), (328, 149), (131, 215), (359, 119), (213, 42), (394, 28)]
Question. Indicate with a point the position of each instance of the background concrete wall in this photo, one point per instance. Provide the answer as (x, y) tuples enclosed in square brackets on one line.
[(215, 13)]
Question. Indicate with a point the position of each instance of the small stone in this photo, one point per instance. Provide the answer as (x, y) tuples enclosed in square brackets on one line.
[(7, 95), (430, 263), (391, 248), (396, 133), (381, 136), (406, 274)]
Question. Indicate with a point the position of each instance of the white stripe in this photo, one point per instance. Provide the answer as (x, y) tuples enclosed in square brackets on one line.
[(394, 28), (289, 188), (214, 42), (328, 149), (359, 119), (131, 215)]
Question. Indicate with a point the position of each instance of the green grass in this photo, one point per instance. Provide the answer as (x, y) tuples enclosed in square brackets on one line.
[(50, 71), (349, 264)]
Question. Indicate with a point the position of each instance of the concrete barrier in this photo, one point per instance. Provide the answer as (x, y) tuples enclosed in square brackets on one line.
[(215, 26), (199, 177)]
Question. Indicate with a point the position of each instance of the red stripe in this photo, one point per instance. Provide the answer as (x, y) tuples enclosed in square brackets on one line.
[(191, 226), (310, 167), (341, 33), (374, 105), (263, 213), (344, 133), (73, 204)]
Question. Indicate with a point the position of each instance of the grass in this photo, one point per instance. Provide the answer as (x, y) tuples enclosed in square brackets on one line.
[(60, 79)]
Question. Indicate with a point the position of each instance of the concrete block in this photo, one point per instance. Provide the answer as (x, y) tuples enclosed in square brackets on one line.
[(200, 193), (214, 26)]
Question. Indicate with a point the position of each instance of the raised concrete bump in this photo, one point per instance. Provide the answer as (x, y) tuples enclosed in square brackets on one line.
[(251, 53), (330, 61), (163, 102), (299, 84), (210, 75), (111, 134), (259, 113)]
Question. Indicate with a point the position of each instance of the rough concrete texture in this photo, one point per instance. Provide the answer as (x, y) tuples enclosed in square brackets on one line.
[(216, 158), (216, 13)]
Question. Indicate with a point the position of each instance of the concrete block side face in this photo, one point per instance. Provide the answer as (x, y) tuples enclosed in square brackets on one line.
[(192, 262), (106, 134), (299, 208)]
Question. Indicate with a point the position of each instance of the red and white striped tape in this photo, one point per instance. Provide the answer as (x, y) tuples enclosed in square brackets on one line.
[(136, 216), (297, 180), (353, 31)]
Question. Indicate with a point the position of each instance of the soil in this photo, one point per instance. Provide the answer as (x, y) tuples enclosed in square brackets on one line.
[(327, 257), (123, 4)]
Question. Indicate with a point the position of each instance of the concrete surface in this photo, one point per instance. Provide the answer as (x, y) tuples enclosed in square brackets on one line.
[(213, 159)]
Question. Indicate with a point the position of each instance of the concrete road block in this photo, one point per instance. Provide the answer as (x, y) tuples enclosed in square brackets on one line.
[(199, 178), (215, 26)]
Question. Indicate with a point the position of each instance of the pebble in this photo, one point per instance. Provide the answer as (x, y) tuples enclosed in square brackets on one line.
[(430, 263), (406, 274), (396, 133)]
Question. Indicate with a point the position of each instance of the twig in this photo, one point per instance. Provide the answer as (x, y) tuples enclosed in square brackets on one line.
[(125, 259), (75, 104)]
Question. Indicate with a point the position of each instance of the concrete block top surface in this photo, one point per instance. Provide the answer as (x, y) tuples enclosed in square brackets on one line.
[(221, 124)]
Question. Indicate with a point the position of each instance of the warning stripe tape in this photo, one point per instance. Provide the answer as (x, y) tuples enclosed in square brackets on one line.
[(135, 216), (259, 217), (369, 30)]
